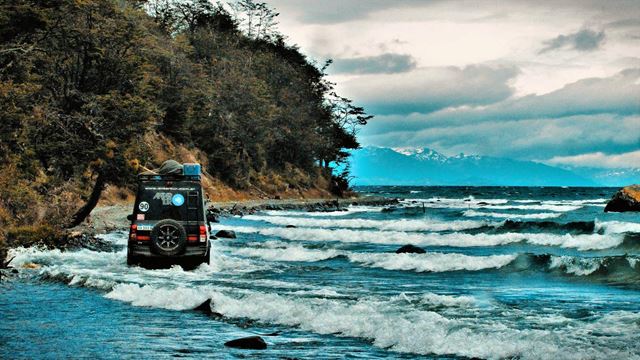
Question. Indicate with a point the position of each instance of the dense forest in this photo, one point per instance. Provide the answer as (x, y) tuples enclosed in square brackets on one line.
[(92, 90)]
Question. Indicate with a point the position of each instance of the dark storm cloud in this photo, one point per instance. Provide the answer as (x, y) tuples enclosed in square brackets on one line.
[(388, 63), (426, 90), (583, 40)]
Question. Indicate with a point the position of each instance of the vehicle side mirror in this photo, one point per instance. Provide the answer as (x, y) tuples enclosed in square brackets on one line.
[(130, 217)]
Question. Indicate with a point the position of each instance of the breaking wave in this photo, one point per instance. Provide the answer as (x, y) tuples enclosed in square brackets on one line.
[(398, 323), (495, 204), (474, 213), (580, 242), (432, 261), (397, 225)]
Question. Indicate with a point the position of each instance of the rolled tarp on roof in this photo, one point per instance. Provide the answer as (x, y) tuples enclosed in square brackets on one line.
[(169, 167)]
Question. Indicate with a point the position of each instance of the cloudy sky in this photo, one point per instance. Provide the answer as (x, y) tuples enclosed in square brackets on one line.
[(553, 81)]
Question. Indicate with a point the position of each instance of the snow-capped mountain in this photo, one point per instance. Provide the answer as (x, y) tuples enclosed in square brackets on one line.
[(406, 166)]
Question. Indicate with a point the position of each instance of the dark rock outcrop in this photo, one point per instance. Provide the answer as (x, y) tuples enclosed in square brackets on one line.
[(206, 309), (410, 249), (229, 234), (291, 226), (251, 343), (626, 199)]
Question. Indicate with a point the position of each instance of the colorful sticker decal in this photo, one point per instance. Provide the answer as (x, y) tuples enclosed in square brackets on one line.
[(140, 217), (143, 206), (177, 200), (165, 197)]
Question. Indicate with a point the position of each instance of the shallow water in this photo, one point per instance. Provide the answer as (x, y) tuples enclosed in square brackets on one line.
[(509, 272)]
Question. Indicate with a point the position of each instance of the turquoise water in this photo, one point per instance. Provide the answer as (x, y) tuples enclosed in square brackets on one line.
[(508, 273)]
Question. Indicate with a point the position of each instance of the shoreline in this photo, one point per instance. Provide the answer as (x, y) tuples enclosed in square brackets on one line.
[(107, 218)]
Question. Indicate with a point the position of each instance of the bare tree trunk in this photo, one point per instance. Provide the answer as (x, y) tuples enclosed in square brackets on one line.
[(84, 211)]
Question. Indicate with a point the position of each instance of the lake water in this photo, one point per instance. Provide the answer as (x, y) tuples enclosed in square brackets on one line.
[(509, 273)]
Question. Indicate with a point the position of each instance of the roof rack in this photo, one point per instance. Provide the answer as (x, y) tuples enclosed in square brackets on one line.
[(176, 177), (189, 172)]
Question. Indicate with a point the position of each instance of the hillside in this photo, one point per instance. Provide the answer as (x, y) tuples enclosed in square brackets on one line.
[(384, 166), (94, 91)]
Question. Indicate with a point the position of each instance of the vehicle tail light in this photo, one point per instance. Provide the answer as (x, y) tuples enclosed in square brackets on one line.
[(132, 232), (203, 233), (144, 238)]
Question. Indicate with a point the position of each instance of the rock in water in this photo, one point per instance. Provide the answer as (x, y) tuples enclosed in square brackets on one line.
[(291, 226), (626, 199), (205, 308), (251, 342), (226, 234), (410, 249)]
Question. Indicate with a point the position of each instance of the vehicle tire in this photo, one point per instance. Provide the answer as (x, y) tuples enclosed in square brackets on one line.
[(168, 238)]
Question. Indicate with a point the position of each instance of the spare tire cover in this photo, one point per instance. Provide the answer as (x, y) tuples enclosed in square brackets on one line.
[(168, 237)]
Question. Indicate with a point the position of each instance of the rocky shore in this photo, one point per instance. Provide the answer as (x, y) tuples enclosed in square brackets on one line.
[(310, 205), (114, 217)]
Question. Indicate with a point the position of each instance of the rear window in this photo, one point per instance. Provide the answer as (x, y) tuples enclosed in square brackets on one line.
[(182, 202)]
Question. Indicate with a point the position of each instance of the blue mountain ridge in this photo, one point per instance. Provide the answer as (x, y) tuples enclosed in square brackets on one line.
[(385, 166)]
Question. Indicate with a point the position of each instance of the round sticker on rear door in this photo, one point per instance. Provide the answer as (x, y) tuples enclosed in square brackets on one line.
[(143, 206), (177, 200)]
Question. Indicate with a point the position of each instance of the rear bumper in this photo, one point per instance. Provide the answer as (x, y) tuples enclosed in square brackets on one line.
[(144, 250)]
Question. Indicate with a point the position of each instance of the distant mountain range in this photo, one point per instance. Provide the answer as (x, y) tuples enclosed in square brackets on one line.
[(407, 166)]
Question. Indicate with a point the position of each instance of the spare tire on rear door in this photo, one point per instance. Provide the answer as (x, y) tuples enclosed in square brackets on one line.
[(168, 238)]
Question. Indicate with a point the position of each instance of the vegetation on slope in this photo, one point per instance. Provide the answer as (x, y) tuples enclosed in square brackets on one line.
[(84, 85)]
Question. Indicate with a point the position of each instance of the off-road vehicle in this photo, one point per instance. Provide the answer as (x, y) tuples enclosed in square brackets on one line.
[(169, 223)]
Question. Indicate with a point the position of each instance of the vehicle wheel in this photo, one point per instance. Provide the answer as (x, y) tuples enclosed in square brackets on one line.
[(168, 238)]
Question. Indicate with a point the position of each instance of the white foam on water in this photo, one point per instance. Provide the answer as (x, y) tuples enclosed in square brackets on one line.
[(581, 242), (474, 213), (447, 300), (388, 323), (180, 298), (323, 293), (397, 225), (493, 204), (576, 266), (587, 202), (533, 207), (286, 253), (349, 211), (617, 227), (401, 327), (431, 262)]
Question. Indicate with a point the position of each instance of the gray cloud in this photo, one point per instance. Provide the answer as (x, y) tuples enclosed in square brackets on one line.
[(583, 40), (388, 63), (532, 139), (617, 94), (625, 23), (590, 115), (425, 90), (338, 11)]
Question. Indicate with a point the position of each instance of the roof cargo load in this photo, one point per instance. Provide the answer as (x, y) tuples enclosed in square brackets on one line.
[(173, 169)]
